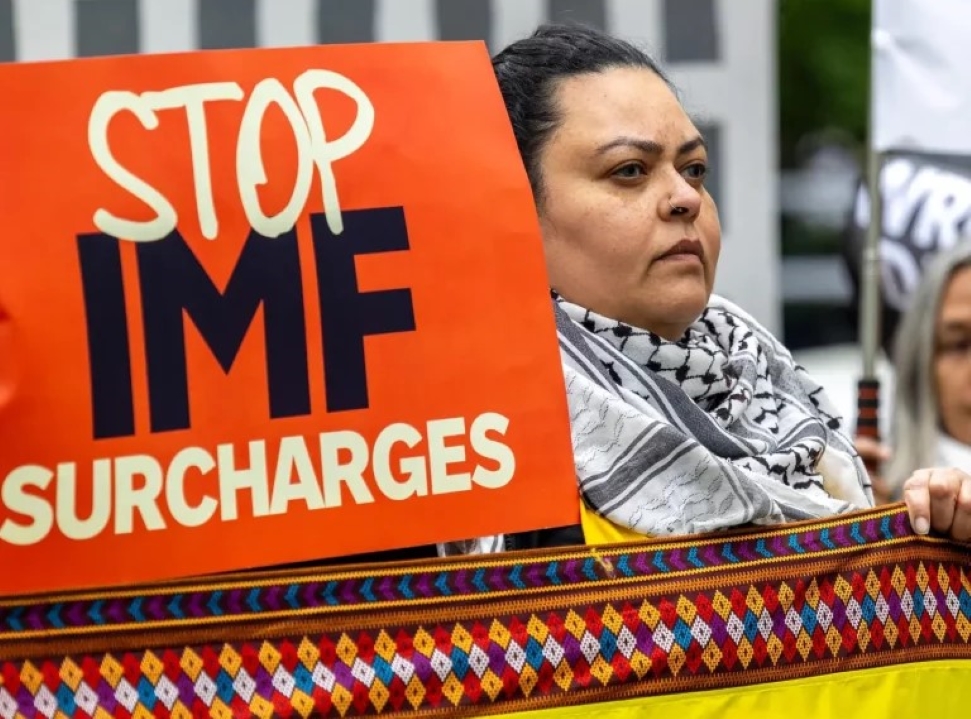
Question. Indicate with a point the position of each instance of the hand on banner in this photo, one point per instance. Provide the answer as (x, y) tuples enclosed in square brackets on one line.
[(875, 454), (940, 499)]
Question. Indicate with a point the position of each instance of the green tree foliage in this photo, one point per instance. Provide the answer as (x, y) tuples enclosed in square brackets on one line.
[(824, 69)]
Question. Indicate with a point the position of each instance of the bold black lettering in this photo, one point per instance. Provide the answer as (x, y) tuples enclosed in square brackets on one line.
[(109, 355), (347, 315), (173, 281)]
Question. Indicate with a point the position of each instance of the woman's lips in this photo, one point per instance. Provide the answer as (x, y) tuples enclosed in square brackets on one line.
[(687, 250)]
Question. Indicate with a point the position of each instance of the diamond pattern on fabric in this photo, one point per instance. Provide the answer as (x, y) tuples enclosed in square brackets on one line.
[(821, 598), (616, 647)]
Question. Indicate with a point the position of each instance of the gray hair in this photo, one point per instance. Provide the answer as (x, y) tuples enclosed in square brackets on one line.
[(916, 413)]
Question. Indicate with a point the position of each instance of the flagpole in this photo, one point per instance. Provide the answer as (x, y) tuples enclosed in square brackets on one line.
[(868, 387)]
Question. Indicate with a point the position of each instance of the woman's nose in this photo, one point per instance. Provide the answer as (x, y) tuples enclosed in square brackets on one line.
[(682, 202)]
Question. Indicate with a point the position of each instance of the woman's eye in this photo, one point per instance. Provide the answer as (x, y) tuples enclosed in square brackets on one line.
[(629, 172), (697, 171), (955, 347)]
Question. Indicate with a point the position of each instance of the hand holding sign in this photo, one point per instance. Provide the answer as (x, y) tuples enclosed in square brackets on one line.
[(254, 323)]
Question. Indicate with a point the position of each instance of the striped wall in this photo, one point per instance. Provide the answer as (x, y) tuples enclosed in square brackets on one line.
[(719, 52)]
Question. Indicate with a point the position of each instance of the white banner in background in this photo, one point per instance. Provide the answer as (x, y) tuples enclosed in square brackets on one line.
[(922, 75)]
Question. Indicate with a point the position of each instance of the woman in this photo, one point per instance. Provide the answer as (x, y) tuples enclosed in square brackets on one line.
[(687, 416), (932, 402)]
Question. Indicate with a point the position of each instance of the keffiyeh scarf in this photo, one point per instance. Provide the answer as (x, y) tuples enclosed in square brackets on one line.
[(716, 430)]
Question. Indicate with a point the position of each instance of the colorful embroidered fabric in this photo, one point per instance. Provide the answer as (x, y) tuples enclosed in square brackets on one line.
[(497, 635)]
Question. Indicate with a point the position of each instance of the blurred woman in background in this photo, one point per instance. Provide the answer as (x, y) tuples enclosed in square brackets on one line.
[(932, 361)]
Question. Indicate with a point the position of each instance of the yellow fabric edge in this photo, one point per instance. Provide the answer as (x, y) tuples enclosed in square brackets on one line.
[(599, 531), (919, 689)]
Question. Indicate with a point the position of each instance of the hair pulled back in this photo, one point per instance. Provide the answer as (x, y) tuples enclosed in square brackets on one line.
[(528, 71)]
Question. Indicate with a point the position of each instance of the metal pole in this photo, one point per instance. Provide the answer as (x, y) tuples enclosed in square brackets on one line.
[(868, 388), (870, 269)]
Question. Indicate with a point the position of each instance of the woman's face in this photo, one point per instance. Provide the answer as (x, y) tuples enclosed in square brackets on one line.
[(629, 230), (953, 356)]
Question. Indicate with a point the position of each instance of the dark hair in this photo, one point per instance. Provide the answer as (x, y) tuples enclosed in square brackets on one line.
[(528, 71)]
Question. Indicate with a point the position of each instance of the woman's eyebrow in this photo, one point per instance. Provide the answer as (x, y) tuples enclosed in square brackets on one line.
[(692, 145), (956, 326), (650, 147)]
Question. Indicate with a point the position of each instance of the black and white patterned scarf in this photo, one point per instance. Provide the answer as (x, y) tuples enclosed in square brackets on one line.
[(716, 430)]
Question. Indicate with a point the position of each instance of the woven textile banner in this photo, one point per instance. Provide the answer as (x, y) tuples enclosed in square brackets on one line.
[(254, 310), (853, 617)]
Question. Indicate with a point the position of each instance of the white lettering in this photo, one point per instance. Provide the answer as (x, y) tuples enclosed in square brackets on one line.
[(900, 273), (440, 456), (70, 524), (416, 482), (294, 461), (249, 159), (27, 505), (403, 464), (325, 154), (144, 499), (351, 472), (943, 211), (185, 460), (895, 179), (106, 107), (493, 450), (193, 99), (303, 116), (232, 480)]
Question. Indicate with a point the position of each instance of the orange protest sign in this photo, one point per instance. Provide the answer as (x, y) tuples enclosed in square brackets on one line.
[(267, 306)]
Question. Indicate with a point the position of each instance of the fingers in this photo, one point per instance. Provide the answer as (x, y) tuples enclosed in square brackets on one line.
[(961, 525), (940, 499), (943, 488), (918, 499)]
